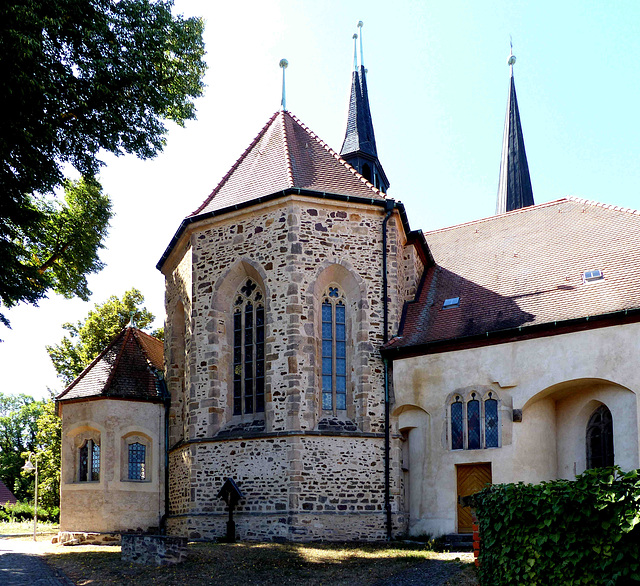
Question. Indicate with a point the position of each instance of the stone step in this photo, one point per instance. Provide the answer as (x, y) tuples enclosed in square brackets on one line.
[(458, 541)]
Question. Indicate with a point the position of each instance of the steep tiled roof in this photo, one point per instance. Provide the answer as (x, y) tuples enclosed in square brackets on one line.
[(6, 496), (286, 154), (525, 268), (124, 370)]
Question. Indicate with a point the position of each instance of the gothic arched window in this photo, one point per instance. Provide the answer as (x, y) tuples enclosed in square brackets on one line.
[(457, 425), (474, 423), (334, 350), (248, 350), (600, 438)]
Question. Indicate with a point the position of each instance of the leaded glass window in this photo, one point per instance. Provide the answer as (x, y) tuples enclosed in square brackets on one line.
[(334, 350), (473, 423), (89, 462), (491, 422), (457, 431), (137, 461), (248, 350), (600, 439)]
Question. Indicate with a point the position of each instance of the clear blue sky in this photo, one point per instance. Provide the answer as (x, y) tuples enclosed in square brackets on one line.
[(438, 83)]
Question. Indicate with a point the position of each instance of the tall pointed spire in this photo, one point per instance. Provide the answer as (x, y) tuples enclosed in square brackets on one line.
[(359, 146), (514, 187)]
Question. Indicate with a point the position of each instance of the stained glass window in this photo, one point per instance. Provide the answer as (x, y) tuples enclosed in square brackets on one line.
[(248, 350), (137, 461), (457, 433), (473, 423), (491, 423), (334, 351)]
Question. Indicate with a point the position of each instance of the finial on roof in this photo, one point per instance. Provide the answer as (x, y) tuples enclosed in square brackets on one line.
[(355, 52), (360, 25), (283, 65), (512, 57), (514, 185)]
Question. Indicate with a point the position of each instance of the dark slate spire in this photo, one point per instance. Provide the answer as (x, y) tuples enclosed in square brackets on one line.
[(514, 187), (359, 146)]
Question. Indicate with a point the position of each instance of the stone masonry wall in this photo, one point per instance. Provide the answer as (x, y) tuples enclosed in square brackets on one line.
[(293, 249), (295, 488)]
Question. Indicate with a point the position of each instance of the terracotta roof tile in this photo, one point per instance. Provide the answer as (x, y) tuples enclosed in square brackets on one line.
[(286, 154), (525, 267), (124, 369), (6, 496)]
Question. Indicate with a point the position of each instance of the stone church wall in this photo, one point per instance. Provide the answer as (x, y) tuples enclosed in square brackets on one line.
[(292, 249)]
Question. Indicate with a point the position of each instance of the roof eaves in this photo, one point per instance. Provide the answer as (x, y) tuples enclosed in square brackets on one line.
[(394, 351), (265, 198)]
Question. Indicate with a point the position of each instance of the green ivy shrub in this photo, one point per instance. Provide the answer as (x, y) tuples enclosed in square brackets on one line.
[(583, 531)]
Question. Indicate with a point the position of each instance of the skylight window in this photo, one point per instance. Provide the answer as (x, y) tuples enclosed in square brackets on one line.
[(451, 302), (591, 276)]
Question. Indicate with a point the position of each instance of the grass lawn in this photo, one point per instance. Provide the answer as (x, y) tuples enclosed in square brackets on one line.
[(26, 527), (255, 564)]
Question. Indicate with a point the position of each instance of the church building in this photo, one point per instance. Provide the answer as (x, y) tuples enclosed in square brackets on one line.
[(353, 376)]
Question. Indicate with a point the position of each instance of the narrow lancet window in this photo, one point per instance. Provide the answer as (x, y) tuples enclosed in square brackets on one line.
[(457, 428), (248, 350), (491, 436), (473, 423), (334, 351)]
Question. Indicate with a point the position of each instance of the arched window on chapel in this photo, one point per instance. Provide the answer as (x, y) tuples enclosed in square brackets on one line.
[(334, 350), (474, 423), (248, 349), (600, 438)]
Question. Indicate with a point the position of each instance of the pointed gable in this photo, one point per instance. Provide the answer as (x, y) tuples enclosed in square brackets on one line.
[(514, 185), (125, 369), (286, 155)]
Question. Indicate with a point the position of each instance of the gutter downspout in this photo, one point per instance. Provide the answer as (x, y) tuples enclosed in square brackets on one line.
[(389, 205), (166, 399)]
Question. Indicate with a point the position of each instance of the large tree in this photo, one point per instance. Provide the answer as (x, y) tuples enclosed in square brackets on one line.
[(18, 434), (90, 336), (77, 77)]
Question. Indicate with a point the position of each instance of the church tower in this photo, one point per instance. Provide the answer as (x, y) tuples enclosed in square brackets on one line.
[(359, 146), (277, 297), (514, 186)]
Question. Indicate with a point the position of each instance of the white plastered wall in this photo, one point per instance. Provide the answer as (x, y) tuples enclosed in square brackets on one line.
[(557, 382)]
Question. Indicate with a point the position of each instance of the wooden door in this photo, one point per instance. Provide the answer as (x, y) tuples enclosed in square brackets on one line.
[(471, 479)]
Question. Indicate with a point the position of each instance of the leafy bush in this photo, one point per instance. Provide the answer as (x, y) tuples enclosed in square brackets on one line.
[(24, 512), (562, 532)]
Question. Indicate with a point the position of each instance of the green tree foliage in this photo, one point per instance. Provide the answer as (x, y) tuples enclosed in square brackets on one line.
[(77, 77), (48, 440), (585, 531), (18, 434), (88, 337)]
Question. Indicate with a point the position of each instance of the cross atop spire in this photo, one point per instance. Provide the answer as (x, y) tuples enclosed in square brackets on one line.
[(359, 146), (514, 186)]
